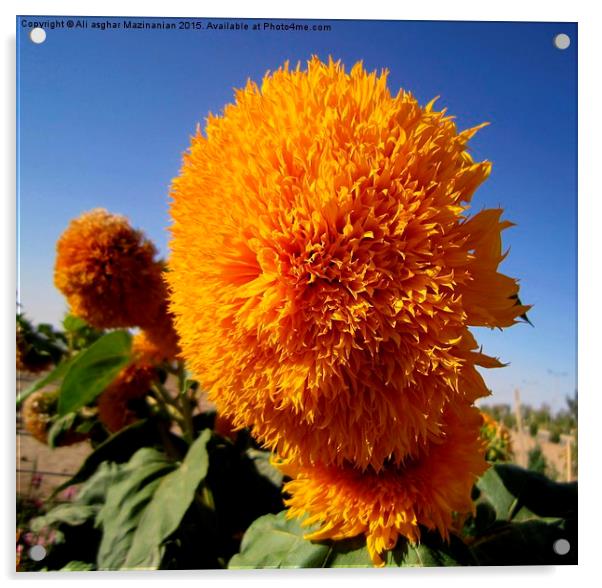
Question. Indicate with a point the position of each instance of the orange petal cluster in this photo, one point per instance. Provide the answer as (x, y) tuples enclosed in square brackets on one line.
[(157, 342), (115, 409), (325, 271), (384, 505), (107, 271), (37, 414)]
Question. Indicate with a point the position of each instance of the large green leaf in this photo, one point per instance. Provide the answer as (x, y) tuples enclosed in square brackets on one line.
[(57, 373), (518, 495), (87, 503), (520, 514), (95, 490), (432, 551), (261, 461), (93, 370), (77, 566), (125, 503), (272, 541), (525, 543), (118, 448), (168, 505), (71, 514)]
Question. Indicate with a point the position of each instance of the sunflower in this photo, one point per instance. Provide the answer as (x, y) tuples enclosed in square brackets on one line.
[(395, 502), (107, 271), (498, 439), (116, 405), (38, 414), (328, 301)]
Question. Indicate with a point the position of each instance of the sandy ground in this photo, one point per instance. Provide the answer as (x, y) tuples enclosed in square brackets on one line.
[(555, 453), (52, 466)]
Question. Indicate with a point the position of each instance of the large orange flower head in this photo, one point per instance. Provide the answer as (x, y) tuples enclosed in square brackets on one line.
[(107, 271), (395, 502), (324, 268)]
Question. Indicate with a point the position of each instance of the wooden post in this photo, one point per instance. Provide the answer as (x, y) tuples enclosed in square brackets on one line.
[(569, 464)]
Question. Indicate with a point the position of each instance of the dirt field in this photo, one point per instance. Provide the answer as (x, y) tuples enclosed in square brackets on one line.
[(555, 454), (47, 467)]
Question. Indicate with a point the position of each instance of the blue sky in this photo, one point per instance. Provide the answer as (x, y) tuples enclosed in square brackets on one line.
[(104, 117)]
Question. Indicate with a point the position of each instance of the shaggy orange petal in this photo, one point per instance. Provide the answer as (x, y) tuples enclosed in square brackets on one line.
[(383, 506), (107, 271), (158, 341), (337, 269)]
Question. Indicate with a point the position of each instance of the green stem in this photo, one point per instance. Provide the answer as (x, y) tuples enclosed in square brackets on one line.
[(185, 404), (164, 394), (170, 448), (166, 402)]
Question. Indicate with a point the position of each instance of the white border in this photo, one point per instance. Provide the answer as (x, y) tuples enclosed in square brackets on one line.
[(590, 267)]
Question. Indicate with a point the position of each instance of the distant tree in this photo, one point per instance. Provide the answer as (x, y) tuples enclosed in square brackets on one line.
[(537, 461), (572, 405), (509, 421)]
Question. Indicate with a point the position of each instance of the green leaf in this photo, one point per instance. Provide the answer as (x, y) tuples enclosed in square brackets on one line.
[(125, 502), (119, 447), (61, 425), (72, 514), (519, 516), (349, 553), (73, 323), (93, 370), (58, 372), (77, 566), (432, 551), (525, 543), (261, 461), (496, 494), (95, 490), (517, 494), (168, 505), (273, 541), (86, 505)]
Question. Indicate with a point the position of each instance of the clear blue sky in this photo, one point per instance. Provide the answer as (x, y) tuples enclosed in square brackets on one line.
[(104, 117)]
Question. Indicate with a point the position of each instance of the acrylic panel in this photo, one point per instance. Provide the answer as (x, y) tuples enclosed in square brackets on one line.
[(295, 293)]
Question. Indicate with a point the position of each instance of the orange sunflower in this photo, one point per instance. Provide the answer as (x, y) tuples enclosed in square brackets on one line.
[(107, 271), (38, 412), (329, 306), (116, 405), (346, 501)]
